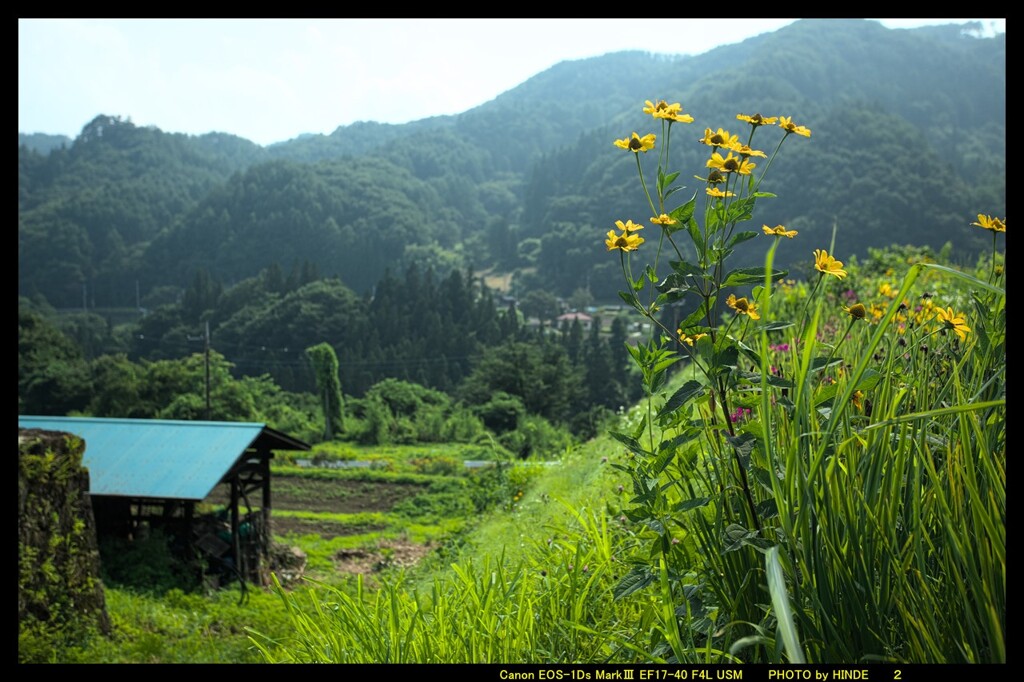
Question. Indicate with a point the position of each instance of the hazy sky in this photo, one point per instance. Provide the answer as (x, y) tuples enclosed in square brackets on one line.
[(271, 80)]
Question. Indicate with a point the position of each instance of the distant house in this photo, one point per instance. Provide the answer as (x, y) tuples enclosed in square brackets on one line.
[(568, 318), (150, 473)]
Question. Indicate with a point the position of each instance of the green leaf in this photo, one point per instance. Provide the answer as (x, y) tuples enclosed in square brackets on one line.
[(694, 318), (826, 394), (740, 210), (695, 503), (743, 444), (673, 287), (761, 195), (684, 269), (631, 443), (773, 326), (762, 476), (819, 362), (631, 300), (685, 212), (741, 237), (868, 380), (779, 382), (704, 348), (780, 604), (742, 276), (767, 509), (639, 430), (712, 221), (638, 578), (736, 536), (672, 190), (680, 397), (665, 457), (725, 357), (655, 524), (749, 352), (695, 235), (681, 439)]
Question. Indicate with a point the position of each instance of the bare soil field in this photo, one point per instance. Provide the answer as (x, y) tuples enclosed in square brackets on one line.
[(293, 493)]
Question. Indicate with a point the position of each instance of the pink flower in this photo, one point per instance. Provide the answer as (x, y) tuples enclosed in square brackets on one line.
[(740, 413)]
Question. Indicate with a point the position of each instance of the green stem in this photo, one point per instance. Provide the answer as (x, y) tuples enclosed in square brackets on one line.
[(807, 302), (748, 496), (772, 158), (992, 276), (835, 348), (643, 183)]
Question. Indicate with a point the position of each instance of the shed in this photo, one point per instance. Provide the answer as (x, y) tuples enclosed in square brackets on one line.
[(146, 473)]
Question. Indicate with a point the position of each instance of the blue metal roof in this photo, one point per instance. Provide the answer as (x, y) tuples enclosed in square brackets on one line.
[(161, 458)]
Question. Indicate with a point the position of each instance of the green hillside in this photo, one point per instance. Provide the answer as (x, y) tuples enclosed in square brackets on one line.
[(900, 153)]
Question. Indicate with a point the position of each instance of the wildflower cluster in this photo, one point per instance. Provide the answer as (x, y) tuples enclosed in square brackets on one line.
[(771, 409), (730, 193)]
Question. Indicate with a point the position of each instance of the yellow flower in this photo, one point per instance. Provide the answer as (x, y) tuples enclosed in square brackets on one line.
[(958, 323), (629, 226), (990, 223), (664, 220), (713, 178), (858, 400), (722, 138), (636, 143), (663, 109), (828, 265), (857, 311), (730, 164), (689, 340), (717, 193), (743, 306), (745, 151), (779, 231), (757, 120), (786, 123), (623, 242)]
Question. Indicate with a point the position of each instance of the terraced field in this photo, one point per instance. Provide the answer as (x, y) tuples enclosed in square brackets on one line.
[(361, 522)]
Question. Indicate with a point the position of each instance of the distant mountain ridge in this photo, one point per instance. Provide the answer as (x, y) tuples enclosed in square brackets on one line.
[(908, 145), (42, 142)]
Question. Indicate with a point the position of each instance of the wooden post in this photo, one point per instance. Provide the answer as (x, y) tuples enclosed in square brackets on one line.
[(265, 456), (235, 543)]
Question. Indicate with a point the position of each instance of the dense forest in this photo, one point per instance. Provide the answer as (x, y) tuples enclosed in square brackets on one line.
[(132, 242)]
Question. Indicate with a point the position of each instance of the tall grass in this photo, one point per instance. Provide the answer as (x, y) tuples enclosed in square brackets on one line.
[(551, 604), (894, 523)]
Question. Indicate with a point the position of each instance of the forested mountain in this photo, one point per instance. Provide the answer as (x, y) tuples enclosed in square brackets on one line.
[(908, 146), (43, 143)]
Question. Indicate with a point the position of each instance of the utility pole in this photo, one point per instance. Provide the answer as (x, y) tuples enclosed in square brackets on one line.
[(207, 351)]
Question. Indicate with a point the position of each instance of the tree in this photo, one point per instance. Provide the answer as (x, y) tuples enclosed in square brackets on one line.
[(53, 377), (325, 367), (540, 304)]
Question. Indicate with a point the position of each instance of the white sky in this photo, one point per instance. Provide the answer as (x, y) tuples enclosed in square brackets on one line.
[(269, 80)]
